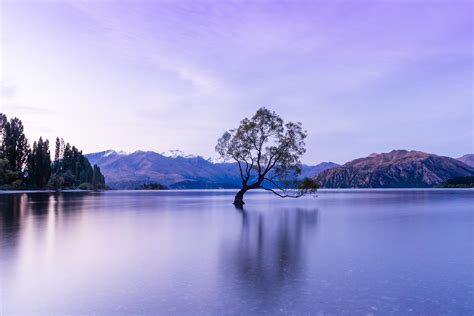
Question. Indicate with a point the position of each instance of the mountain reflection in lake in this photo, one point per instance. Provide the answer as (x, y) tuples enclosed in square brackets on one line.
[(191, 252)]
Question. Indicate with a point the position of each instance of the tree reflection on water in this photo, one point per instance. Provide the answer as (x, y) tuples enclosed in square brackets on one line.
[(269, 253), (45, 210)]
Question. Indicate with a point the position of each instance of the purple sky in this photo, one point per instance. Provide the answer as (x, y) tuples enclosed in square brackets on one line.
[(362, 77)]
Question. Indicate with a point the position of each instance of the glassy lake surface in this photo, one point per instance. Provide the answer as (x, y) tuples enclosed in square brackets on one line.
[(191, 252)]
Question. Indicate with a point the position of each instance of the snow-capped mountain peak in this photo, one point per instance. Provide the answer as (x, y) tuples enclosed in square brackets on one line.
[(108, 153), (176, 153), (216, 160), (113, 152)]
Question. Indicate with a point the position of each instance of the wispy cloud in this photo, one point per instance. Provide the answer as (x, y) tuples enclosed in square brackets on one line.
[(22, 109), (7, 90), (178, 73)]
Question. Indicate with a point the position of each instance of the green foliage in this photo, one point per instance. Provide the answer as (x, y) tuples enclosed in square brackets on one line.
[(152, 186), (7, 176), (17, 184), (56, 182), (460, 182), (309, 185), (86, 186)]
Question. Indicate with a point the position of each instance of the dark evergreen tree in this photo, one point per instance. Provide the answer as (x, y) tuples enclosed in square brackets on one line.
[(31, 164), (3, 122), (8, 176), (98, 180), (57, 149), (39, 164), (67, 162), (14, 144), (58, 155)]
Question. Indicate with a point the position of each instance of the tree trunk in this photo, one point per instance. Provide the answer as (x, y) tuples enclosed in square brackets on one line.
[(239, 198)]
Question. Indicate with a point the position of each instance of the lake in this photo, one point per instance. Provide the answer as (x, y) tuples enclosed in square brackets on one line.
[(357, 252)]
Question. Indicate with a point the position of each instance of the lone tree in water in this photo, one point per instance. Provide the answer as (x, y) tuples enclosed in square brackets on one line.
[(267, 152)]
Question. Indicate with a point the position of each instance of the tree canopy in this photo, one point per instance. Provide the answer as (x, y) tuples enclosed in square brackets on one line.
[(267, 152), (14, 147), (39, 164)]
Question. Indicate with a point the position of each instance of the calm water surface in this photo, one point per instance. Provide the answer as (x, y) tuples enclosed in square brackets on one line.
[(351, 252)]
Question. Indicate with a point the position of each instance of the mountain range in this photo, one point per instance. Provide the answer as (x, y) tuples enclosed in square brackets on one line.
[(177, 170), (396, 169), (174, 169), (467, 159)]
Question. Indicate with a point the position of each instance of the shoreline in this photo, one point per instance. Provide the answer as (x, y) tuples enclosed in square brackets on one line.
[(324, 190), (47, 191)]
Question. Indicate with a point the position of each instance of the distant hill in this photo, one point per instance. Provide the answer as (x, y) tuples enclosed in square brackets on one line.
[(174, 169), (396, 169), (467, 159), (313, 171)]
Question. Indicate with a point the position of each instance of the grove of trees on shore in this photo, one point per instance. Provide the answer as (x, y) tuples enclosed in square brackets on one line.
[(25, 167)]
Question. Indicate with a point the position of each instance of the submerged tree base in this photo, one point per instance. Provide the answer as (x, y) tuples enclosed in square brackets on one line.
[(239, 205), (239, 199)]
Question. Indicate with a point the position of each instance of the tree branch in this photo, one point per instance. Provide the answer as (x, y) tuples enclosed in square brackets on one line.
[(277, 154), (274, 183), (248, 167), (282, 195), (240, 168)]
